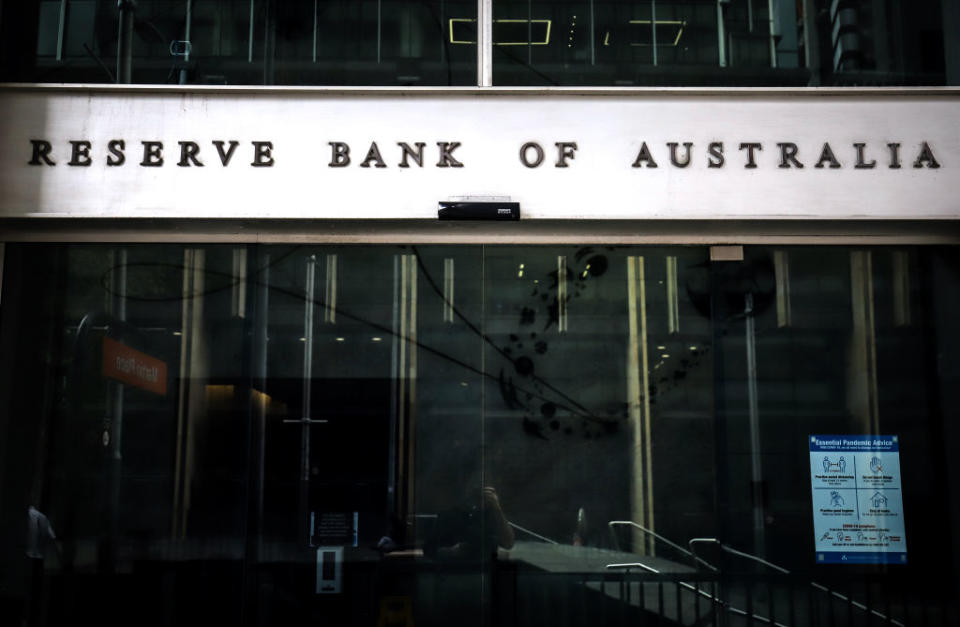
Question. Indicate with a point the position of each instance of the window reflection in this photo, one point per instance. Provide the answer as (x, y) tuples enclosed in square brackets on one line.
[(409, 43), (479, 433), (705, 42), (296, 42)]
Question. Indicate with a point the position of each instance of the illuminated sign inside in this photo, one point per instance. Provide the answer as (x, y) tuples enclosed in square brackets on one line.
[(131, 367)]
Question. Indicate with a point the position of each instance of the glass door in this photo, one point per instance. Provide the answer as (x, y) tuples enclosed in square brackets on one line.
[(371, 431), (486, 434), (446, 428), (598, 430), (830, 369)]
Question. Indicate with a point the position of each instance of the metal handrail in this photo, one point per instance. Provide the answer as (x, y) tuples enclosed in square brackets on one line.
[(659, 537), (781, 569), (692, 541), (856, 604), (532, 533), (698, 560), (759, 560), (635, 565), (729, 549), (703, 593)]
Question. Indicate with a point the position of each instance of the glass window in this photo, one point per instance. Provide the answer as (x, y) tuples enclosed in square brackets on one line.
[(486, 434), (247, 42), (705, 42), (409, 43)]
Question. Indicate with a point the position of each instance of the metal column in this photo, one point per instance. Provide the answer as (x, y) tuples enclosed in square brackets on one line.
[(484, 43), (125, 41)]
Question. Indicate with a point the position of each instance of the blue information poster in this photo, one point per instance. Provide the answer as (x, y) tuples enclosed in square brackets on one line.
[(857, 500)]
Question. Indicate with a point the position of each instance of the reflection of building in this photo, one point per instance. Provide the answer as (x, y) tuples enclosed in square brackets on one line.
[(648, 344)]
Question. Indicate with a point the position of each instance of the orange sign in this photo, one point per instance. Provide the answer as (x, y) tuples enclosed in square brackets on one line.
[(132, 367)]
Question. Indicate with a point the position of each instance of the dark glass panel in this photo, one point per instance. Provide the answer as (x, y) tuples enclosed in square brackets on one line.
[(247, 42), (479, 434)]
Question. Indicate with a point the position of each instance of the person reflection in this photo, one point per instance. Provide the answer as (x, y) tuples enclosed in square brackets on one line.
[(40, 536), (464, 531), (469, 516), (456, 520)]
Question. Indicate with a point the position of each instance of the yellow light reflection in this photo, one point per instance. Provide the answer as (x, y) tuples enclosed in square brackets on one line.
[(680, 23), (267, 404), (463, 20), (219, 394)]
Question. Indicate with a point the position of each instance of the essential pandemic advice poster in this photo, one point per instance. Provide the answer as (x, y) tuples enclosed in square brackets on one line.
[(857, 499)]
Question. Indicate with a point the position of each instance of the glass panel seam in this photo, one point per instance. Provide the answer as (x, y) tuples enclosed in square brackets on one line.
[(484, 43)]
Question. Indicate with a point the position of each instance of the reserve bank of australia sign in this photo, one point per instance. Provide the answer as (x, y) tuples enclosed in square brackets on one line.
[(344, 154)]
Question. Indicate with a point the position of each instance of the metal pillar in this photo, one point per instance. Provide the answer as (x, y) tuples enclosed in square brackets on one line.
[(638, 402), (125, 41), (305, 422), (756, 460), (186, 38), (721, 36), (484, 43), (113, 435)]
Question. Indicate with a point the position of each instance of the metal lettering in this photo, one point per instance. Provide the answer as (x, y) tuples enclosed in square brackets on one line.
[(41, 150), (715, 150), (188, 154), (673, 154), (826, 155), (861, 163), (565, 150), (446, 155), (788, 155), (894, 156), (116, 156), (152, 154), (750, 147), (373, 155), (407, 151), (926, 156), (226, 155), (644, 156), (80, 153), (262, 154), (525, 149), (340, 155)]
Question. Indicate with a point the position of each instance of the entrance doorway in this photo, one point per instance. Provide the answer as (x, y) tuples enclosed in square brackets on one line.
[(509, 435)]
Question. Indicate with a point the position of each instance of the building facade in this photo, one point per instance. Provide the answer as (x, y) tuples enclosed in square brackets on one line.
[(504, 313)]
